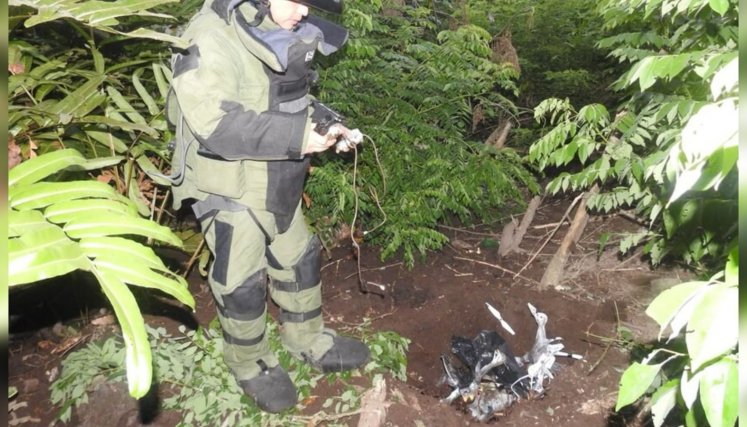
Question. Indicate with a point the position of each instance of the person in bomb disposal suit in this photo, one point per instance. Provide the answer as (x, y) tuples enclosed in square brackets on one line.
[(245, 130)]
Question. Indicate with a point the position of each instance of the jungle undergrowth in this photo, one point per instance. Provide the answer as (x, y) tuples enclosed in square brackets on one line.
[(200, 386)]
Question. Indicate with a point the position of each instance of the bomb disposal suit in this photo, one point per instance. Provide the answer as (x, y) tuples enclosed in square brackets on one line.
[(242, 111)]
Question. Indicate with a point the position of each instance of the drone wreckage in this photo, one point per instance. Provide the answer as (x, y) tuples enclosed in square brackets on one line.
[(496, 378)]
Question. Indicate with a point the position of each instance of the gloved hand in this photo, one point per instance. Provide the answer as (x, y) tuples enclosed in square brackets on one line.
[(348, 138), (318, 143)]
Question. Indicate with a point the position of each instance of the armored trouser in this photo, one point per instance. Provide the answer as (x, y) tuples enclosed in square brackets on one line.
[(241, 242)]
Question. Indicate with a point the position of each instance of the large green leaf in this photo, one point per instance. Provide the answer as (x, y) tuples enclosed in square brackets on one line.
[(21, 222), (136, 274), (118, 122), (41, 254), (121, 248), (40, 167), (95, 225), (713, 329), (719, 393), (634, 383), (84, 99), (43, 194), (95, 13), (154, 35), (66, 211), (125, 107), (663, 401), (138, 358), (143, 92), (666, 306), (113, 143)]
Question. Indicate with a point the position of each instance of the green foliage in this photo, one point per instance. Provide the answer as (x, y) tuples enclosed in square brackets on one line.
[(415, 88), (703, 379), (200, 386), (555, 43), (80, 101), (669, 153), (58, 227)]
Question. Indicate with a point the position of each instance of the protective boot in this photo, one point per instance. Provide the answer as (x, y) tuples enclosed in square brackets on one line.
[(272, 390), (346, 354), (247, 353), (303, 332)]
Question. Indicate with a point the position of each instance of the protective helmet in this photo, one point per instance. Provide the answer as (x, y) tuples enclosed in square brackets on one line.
[(332, 6)]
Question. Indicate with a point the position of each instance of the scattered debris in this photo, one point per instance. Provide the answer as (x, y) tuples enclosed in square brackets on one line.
[(492, 378), (373, 405)]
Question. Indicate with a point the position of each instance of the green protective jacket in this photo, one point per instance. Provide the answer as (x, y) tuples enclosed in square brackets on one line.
[(241, 106)]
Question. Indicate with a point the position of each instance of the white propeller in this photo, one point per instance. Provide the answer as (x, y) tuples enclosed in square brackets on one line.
[(497, 315)]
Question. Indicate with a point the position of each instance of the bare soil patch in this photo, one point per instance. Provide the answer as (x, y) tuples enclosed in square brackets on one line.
[(439, 298)]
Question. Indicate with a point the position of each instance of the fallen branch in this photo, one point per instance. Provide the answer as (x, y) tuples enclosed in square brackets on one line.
[(552, 233), (462, 230), (554, 271), (505, 270)]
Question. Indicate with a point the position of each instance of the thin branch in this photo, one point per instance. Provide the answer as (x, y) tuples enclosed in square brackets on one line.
[(565, 215), (505, 270)]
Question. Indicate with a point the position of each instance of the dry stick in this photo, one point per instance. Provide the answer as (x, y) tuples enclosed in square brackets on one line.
[(554, 270), (552, 233), (383, 267), (609, 342), (505, 270), (462, 230), (194, 257)]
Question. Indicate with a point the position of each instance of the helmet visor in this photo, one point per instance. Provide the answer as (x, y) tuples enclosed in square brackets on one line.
[(332, 6)]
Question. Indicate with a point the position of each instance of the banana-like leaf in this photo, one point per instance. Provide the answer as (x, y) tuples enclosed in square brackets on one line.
[(43, 194), (154, 35), (96, 225), (163, 78), (133, 190), (106, 139), (40, 167), (125, 107), (80, 102), (114, 119), (21, 222), (138, 357), (149, 168), (41, 254), (99, 14), (69, 210), (143, 92), (129, 271), (121, 248)]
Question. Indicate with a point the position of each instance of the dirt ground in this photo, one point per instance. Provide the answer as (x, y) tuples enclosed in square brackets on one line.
[(443, 296)]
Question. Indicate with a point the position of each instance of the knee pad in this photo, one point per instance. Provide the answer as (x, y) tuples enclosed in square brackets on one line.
[(247, 301), (308, 268)]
